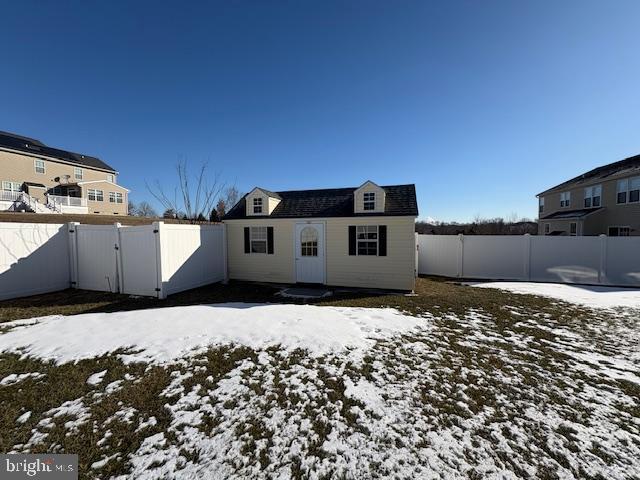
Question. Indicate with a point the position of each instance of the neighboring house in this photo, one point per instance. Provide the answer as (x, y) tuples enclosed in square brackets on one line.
[(605, 200), (42, 179), (352, 237)]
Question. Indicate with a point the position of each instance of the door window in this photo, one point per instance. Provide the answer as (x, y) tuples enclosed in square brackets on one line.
[(309, 242)]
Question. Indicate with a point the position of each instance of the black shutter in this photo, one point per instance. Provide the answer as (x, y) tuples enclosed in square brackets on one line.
[(247, 242), (382, 240), (269, 239), (352, 240)]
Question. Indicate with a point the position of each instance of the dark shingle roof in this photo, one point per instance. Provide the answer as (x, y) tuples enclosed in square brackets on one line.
[(35, 147), (571, 214), (628, 165), (333, 202)]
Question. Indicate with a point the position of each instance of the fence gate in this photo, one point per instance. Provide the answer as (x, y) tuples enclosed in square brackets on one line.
[(139, 260), (97, 265)]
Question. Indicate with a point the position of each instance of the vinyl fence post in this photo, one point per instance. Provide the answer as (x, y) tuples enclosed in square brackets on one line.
[(225, 264), (157, 229), (527, 256), (72, 229), (460, 255), (602, 272), (118, 279)]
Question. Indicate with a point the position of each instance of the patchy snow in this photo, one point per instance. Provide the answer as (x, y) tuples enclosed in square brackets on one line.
[(590, 296), (374, 394), (96, 378), (162, 335), (24, 417), (19, 377)]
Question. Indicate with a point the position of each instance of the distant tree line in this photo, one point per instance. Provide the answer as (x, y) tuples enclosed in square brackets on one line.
[(480, 226)]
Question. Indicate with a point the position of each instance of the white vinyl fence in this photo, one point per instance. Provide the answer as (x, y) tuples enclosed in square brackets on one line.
[(152, 260), (34, 259), (590, 260)]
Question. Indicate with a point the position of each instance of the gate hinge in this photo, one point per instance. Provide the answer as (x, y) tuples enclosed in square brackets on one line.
[(157, 289), (72, 231), (116, 247), (73, 283), (156, 231)]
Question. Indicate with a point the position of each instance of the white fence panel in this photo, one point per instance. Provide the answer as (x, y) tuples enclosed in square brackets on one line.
[(622, 261), (565, 259), (34, 259), (191, 256), (96, 257), (139, 258), (496, 257), (438, 255)]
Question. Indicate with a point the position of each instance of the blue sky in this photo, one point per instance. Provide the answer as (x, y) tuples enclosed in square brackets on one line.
[(480, 104)]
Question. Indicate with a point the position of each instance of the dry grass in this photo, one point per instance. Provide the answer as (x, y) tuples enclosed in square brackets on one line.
[(468, 373)]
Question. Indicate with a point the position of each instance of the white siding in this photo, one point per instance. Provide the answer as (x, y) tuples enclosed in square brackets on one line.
[(368, 187), (394, 271)]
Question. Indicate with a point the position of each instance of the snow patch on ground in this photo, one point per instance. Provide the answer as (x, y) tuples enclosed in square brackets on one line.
[(590, 296), (96, 378), (163, 335), (19, 377)]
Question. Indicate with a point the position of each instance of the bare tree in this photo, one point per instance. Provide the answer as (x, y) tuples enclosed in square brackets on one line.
[(131, 208), (195, 200), (145, 210), (221, 208), (231, 196)]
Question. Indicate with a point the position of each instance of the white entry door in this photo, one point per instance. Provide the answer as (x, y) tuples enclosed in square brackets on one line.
[(309, 245)]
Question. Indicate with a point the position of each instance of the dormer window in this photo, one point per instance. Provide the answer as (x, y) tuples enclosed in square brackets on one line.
[(257, 205), (369, 201)]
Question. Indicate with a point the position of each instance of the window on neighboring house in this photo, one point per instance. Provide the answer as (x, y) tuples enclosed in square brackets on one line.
[(619, 231), (115, 197), (11, 186), (573, 229), (258, 239), (369, 201), (77, 173), (39, 166), (367, 239), (547, 228), (628, 190), (257, 205), (95, 195), (593, 196), (110, 179), (309, 242), (541, 204), (565, 199)]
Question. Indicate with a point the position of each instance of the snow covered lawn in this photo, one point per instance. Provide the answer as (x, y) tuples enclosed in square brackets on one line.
[(457, 382), (590, 296)]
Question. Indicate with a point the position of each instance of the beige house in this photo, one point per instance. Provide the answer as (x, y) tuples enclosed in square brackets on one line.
[(42, 179), (605, 200), (351, 237)]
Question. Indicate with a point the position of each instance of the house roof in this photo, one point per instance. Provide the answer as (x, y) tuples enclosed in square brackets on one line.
[(36, 147), (629, 165), (333, 202), (571, 214), (268, 192), (34, 184)]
